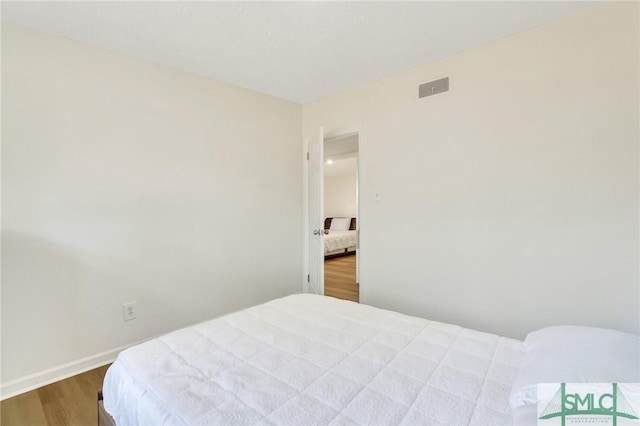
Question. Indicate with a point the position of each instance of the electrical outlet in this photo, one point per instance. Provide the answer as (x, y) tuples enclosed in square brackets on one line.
[(129, 311)]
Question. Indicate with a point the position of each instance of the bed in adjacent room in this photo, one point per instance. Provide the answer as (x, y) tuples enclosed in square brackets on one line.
[(308, 359), (340, 236)]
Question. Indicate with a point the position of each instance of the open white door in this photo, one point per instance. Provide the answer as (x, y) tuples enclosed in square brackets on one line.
[(316, 214)]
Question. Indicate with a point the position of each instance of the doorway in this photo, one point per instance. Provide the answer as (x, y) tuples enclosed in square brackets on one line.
[(341, 224)]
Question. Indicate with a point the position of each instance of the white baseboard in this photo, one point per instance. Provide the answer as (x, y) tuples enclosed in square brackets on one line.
[(42, 378)]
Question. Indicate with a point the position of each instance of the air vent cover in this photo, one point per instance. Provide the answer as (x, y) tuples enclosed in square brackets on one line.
[(433, 87)]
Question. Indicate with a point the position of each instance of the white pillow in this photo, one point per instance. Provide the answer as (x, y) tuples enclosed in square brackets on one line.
[(340, 224), (525, 415), (573, 354)]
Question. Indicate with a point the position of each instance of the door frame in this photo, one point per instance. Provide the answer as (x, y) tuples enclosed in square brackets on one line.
[(361, 185)]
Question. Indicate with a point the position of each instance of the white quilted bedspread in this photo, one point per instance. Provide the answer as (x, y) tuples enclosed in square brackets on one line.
[(308, 359)]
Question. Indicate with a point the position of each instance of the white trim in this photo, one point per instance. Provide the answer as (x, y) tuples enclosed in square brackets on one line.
[(51, 375), (305, 215), (362, 214)]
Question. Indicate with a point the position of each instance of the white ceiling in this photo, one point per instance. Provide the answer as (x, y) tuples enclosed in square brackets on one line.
[(337, 147), (299, 51)]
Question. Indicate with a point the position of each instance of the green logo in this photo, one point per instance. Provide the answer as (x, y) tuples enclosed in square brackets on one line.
[(564, 404)]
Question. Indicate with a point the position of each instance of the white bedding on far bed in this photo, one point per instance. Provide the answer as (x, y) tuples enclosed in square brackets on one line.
[(339, 240), (307, 359)]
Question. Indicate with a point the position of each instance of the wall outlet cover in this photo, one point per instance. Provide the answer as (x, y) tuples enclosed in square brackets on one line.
[(129, 311)]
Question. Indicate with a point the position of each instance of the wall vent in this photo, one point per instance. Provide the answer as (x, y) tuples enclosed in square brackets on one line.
[(433, 87)]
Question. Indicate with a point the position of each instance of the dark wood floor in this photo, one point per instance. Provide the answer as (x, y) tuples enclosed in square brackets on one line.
[(69, 402), (340, 278)]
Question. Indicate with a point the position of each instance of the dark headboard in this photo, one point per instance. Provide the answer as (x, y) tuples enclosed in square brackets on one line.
[(352, 226)]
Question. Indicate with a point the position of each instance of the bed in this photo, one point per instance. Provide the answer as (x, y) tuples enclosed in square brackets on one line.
[(308, 359), (340, 236)]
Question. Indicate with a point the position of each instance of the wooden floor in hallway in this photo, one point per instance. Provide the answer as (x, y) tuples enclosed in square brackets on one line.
[(340, 278)]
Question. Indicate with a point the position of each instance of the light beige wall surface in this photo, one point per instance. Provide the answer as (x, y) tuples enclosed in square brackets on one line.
[(128, 181), (340, 196), (124, 180), (510, 202)]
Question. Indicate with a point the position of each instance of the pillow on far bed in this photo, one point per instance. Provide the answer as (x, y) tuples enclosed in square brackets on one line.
[(573, 354), (340, 224)]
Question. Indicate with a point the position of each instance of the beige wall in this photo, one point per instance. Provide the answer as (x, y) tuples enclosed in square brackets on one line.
[(340, 196), (123, 180), (128, 181), (510, 202)]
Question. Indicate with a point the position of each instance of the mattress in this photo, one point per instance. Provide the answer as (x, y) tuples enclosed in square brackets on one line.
[(339, 240), (309, 359)]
